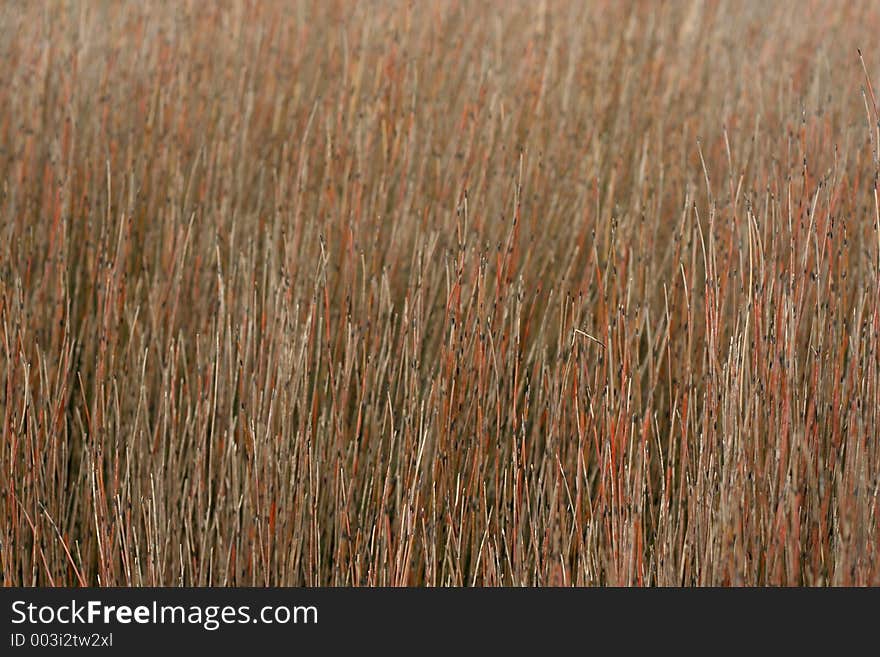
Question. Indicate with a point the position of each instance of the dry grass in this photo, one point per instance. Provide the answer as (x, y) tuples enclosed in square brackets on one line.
[(439, 293)]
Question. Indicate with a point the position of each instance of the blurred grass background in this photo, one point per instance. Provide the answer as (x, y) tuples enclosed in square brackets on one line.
[(439, 293)]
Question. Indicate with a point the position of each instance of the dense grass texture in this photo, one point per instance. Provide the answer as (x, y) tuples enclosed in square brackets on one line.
[(439, 293)]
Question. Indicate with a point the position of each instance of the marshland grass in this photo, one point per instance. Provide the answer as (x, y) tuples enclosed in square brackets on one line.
[(439, 293)]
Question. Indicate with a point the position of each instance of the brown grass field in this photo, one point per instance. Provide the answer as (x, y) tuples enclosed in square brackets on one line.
[(439, 293)]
